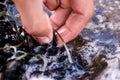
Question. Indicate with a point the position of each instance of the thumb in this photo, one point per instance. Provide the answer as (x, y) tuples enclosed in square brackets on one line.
[(52, 4)]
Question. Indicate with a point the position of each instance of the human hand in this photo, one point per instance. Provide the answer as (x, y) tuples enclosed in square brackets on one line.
[(71, 17), (68, 19), (35, 21)]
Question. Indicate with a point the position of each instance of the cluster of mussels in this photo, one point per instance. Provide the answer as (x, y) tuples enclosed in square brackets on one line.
[(22, 58)]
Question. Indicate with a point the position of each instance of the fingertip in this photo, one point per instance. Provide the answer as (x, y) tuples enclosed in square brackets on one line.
[(52, 4), (59, 42), (44, 39), (60, 38), (64, 35)]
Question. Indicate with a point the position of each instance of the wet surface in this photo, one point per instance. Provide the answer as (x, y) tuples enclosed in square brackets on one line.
[(95, 52)]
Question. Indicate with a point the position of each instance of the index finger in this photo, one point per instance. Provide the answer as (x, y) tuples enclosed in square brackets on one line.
[(61, 14), (79, 17)]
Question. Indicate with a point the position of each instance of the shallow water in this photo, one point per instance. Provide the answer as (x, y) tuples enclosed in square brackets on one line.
[(95, 52)]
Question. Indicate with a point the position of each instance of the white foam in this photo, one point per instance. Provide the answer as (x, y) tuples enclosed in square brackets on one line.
[(41, 78)]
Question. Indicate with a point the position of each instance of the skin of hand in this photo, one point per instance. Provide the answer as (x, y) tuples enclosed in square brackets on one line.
[(35, 21), (68, 19)]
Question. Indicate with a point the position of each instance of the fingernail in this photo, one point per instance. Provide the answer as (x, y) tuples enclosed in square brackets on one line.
[(43, 40), (61, 30), (46, 40), (59, 39), (60, 44)]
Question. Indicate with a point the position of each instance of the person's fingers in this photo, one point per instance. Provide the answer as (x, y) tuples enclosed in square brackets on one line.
[(36, 22), (52, 4), (82, 12), (61, 14), (42, 40)]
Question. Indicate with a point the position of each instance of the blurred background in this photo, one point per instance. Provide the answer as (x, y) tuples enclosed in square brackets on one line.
[(104, 30)]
